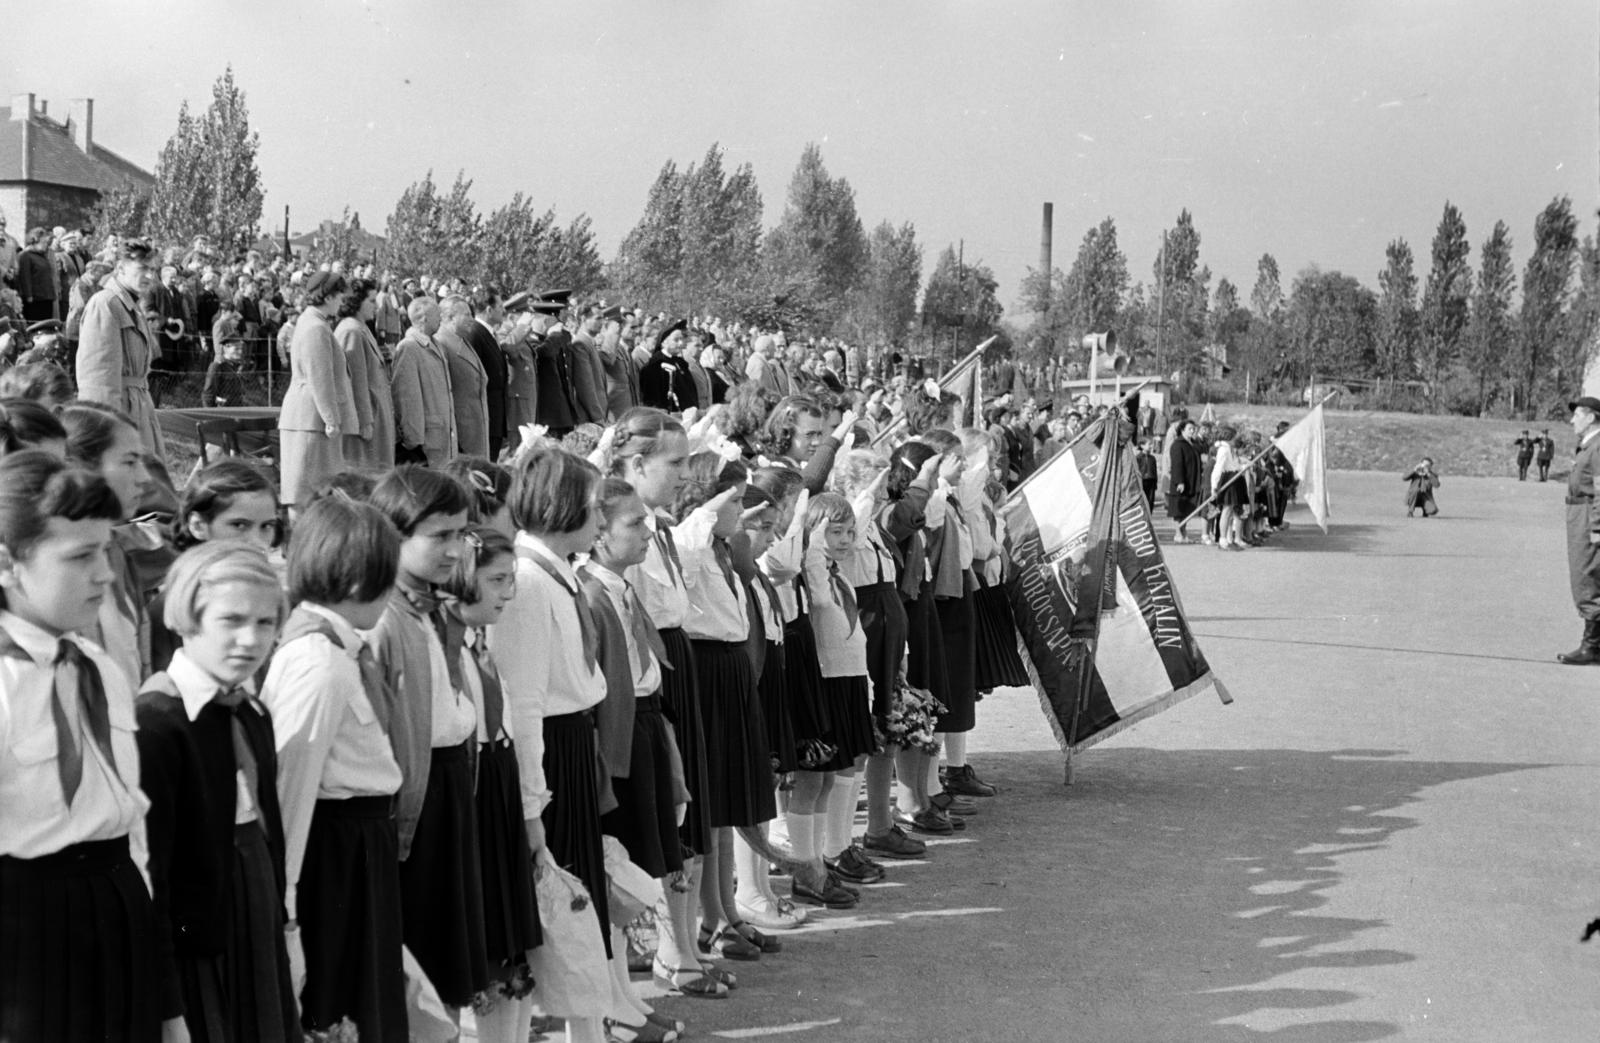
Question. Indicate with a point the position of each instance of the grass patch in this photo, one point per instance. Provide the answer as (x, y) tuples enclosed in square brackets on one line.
[(1366, 440)]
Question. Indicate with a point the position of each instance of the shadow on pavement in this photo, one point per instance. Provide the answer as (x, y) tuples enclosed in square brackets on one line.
[(1166, 896)]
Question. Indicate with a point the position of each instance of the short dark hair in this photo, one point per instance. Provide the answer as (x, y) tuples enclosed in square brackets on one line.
[(213, 490), (484, 298), (778, 433), (488, 484), (342, 550), (411, 493), (552, 491), (36, 380), (483, 546), (91, 428), (25, 423), (360, 290), (610, 496), (36, 486)]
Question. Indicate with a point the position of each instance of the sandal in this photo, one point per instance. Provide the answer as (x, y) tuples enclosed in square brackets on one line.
[(665, 1022), (766, 943), (728, 944), (649, 1032), (690, 981), (718, 975)]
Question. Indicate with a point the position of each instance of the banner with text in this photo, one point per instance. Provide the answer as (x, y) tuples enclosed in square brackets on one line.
[(1146, 659)]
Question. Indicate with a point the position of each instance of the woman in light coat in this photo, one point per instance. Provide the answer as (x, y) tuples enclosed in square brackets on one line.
[(318, 409), (372, 442)]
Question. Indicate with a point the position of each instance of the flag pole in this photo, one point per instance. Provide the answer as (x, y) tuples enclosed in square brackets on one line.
[(1110, 461), (976, 354), (1273, 444), (1081, 435)]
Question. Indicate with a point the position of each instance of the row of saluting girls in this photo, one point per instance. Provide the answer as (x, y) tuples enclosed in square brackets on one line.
[(329, 768)]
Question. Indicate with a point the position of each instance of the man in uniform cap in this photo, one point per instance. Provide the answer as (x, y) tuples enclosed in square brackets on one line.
[(622, 373), (555, 401), (116, 345), (1583, 530)]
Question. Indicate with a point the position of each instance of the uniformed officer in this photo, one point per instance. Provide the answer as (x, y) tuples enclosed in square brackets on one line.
[(1583, 530)]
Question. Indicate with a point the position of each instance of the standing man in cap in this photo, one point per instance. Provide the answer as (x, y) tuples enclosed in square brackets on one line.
[(622, 374), (116, 345), (522, 382), (556, 401), (1546, 454), (1524, 446), (488, 313), (424, 411), (588, 374), (1583, 530)]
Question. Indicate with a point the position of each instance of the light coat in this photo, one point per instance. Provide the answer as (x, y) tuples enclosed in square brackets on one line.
[(115, 348), (469, 389), (424, 411), (372, 442)]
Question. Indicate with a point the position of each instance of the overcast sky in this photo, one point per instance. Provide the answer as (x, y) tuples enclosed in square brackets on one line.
[(1315, 131)]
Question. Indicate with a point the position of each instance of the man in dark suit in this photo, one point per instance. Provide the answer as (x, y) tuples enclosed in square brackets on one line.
[(1524, 446), (588, 375), (556, 401), (1546, 455), (622, 373), (1583, 531), (489, 312)]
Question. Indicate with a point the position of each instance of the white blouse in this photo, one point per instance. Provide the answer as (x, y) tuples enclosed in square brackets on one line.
[(717, 609)]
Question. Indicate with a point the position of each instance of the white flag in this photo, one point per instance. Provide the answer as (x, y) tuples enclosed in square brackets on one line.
[(1303, 445)]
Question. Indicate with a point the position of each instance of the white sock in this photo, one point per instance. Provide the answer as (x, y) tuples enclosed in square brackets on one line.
[(802, 839), (935, 787), (819, 831), (507, 1021), (586, 1030), (955, 749), (841, 818), (626, 1006), (778, 828), (750, 869)]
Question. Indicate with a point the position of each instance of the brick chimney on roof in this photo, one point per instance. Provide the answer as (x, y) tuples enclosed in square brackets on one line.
[(80, 121)]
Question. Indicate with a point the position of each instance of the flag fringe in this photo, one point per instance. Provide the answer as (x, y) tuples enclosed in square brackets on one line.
[(1155, 706)]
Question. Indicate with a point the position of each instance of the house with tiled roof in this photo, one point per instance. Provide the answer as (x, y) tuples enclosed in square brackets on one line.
[(53, 172)]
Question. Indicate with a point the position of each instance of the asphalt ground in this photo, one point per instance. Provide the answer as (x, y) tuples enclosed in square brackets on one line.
[(1390, 833)]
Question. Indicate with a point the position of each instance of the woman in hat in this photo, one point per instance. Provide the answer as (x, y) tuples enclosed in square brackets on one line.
[(318, 409)]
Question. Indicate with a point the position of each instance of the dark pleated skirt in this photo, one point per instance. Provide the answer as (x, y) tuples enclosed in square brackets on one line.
[(958, 632), (644, 819), (883, 617), (572, 818), (680, 702), (350, 920), (260, 990), (76, 948), (739, 779), (997, 664), (441, 882), (807, 711), (203, 982), (510, 908), (925, 646), (850, 707), (774, 686)]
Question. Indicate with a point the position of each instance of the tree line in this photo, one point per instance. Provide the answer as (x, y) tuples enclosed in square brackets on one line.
[(1458, 338)]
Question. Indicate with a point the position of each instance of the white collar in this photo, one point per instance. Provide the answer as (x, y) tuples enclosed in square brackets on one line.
[(349, 637), (539, 547), (32, 638), (195, 687)]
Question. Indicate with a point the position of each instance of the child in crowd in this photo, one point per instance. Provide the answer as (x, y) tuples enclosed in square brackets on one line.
[(997, 662), (547, 647), (739, 783), (846, 684), (488, 484), (650, 451), (209, 766), (107, 441), (75, 911), (480, 585), (441, 881), (337, 773), (230, 500), (230, 375)]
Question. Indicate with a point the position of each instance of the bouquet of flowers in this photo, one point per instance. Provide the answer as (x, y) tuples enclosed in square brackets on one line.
[(911, 719)]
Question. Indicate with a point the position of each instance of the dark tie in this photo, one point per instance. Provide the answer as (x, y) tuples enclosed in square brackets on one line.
[(91, 704), (376, 687), (237, 701), (669, 551), (586, 625), (494, 696), (453, 636), (843, 595), (644, 635), (724, 556)]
